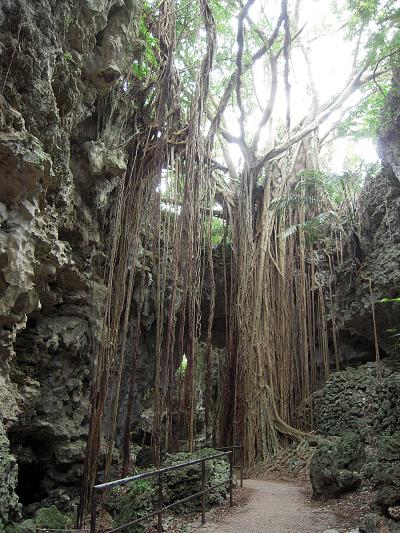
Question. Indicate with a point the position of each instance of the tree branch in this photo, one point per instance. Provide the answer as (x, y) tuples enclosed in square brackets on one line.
[(334, 104)]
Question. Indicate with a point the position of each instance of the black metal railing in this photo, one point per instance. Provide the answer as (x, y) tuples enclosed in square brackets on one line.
[(66, 530), (237, 459), (161, 509)]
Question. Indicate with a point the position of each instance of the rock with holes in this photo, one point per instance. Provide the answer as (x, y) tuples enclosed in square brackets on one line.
[(385, 475), (9, 505), (335, 466)]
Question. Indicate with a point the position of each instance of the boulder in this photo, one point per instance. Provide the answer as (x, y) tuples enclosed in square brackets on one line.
[(52, 518), (335, 466), (385, 474)]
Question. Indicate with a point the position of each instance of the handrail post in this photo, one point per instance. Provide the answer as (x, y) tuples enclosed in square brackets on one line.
[(203, 492), (241, 455), (231, 479), (160, 504), (93, 512)]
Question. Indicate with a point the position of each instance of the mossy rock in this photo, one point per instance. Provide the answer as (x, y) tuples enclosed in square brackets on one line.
[(385, 471), (389, 447), (357, 399), (15, 528), (27, 526), (179, 484), (335, 466), (141, 497), (52, 518), (133, 501)]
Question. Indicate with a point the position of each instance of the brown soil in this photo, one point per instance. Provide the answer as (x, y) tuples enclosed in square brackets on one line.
[(278, 507)]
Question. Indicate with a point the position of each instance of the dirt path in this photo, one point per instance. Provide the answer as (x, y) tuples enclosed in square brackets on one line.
[(275, 507)]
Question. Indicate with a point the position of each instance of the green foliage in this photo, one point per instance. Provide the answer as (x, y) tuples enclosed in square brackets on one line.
[(315, 228), (314, 188), (218, 230), (376, 25), (328, 200), (143, 67), (379, 20), (68, 18), (365, 120), (182, 367), (133, 501), (191, 45), (68, 57)]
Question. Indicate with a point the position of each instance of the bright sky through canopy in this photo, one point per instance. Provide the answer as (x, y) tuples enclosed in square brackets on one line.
[(331, 58)]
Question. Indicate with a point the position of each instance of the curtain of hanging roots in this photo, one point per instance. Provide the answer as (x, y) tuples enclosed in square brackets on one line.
[(139, 206), (278, 325)]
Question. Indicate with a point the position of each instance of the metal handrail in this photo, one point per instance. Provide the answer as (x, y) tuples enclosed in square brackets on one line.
[(161, 508), (72, 530), (240, 467)]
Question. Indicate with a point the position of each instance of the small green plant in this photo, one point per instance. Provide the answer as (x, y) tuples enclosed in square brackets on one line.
[(68, 18), (141, 68), (218, 230), (141, 486), (182, 368), (68, 57)]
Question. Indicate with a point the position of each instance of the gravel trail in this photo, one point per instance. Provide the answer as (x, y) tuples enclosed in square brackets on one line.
[(275, 507)]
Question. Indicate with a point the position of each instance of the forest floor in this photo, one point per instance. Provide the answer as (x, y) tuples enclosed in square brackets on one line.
[(277, 498), (272, 506)]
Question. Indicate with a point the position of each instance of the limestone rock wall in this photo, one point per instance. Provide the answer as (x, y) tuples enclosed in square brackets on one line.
[(365, 400), (60, 161), (379, 233)]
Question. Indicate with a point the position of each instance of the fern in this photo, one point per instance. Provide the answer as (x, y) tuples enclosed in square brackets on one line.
[(315, 228)]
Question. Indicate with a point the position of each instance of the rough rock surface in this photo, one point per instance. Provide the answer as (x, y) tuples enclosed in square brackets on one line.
[(140, 498), (60, 65), (9, 504), (379, 235), (384, 470), (364, 399), (335, 466)]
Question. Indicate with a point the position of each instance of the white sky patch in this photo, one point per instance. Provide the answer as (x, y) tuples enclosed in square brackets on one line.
[(331, 64), (366, 150)]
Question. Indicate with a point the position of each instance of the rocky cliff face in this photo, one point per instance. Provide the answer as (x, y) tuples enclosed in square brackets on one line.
[(61, 66), (379, 216), (358, 408)]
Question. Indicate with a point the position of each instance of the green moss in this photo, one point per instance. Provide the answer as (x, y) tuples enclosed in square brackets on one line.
[(27, 526), (336, 465), (14, 528), (52, 518), (141, 497), (132, 502)]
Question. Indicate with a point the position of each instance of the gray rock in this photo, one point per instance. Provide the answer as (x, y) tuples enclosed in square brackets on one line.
[(335, 466), (53, 200), (9, 505)]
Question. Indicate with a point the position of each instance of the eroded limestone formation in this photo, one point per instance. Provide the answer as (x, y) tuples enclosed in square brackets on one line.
[(60, 164)]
